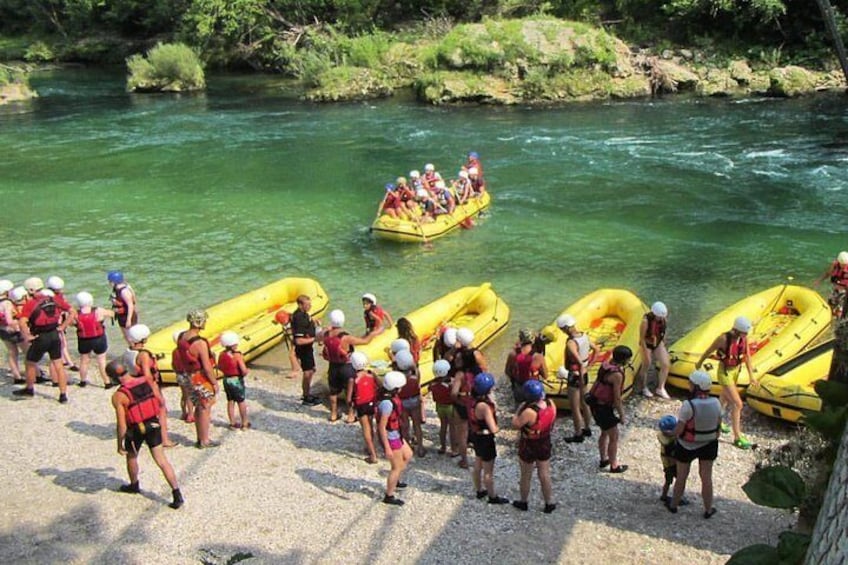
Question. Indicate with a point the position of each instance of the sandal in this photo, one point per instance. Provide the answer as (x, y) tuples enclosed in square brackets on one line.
[(710, 513), (370, 460), (333, 420)]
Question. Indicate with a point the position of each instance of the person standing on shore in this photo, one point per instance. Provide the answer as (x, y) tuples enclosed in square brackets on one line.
[(652, 343), (137, 409), (607, 407), (91, 337), (142, 363), (364, 399), (305, 331), (580, 352), (395, 448), (10, 331), (483, 425), (468, 362), (57, 285), (123, 302), (198, 361), (233, 369), (535, 419), (338, 345)]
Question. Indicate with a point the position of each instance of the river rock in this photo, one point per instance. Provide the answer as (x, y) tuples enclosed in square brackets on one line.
[(676, 77), (16, 92), (717, 82), (350, 83), (740, 71), (791, 81)]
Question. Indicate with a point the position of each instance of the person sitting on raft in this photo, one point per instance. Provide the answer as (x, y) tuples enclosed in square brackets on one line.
[(478, 185), (445, 202), (462, 187), (430, 176), (377, 320), (473, 161), (391, 204)]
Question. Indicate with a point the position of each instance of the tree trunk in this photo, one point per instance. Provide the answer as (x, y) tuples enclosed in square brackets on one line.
[(833, 30)]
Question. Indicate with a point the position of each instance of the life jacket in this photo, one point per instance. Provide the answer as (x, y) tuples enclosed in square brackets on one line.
[(523, 361), (228, 365), (45, 316), (370, 322), (477, 425), (839, 274), (332, 351), (545, 418), (655, 332), (143, 402), (119, 305), (190, 361), (430, 180), (405, 193), (393, 425), (177, 361), (364, 388), (734, 349), (467, 361), (578, 364), (411, 389), (392, 201), (88, 326), (602, 389), (441, 392), (692, 432), (154, 367)]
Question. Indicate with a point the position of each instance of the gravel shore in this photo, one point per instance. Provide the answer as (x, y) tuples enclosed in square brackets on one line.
[(295, 489)]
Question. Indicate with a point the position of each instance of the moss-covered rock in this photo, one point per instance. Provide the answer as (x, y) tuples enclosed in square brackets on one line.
[(453, 87), (675, 77), (14, 86), (717, 82), (740, 71), (350, 83), (791, 81)]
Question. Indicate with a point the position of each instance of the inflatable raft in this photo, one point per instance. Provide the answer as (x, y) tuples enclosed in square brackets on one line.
[(780, 332), (611, 317), (395, 229), (475, 307), (251, 315), (787, 391)]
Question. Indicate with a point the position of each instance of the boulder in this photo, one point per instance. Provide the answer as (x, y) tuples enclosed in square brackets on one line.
[(674, 77), (740, 71), (791, 81)]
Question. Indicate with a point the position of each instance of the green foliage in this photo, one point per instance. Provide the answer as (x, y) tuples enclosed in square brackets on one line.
[(39, 52), (13, 48), (757, 554), (790, 550), (775, 487), (832, 393), (792, 547), (168, 66)]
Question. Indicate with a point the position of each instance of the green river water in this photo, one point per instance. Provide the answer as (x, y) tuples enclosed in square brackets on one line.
[(199, 198)]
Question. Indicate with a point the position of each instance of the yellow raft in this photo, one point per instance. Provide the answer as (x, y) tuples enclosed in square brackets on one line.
[(611, 317), (395, 229), (787, 391), (777, 335), (475, 307), (251, 316)]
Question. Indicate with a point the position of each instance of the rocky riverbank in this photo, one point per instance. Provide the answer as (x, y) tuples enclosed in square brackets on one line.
[(14, 86)]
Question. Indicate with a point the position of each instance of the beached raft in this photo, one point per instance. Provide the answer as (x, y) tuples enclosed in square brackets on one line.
[(610, 317), (395, 229), (475, 307), (778, 333), (251, 315)]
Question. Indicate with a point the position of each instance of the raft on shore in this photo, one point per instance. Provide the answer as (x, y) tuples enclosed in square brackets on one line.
[(610, 317), (251, 315), (396, 229), (779, 333)]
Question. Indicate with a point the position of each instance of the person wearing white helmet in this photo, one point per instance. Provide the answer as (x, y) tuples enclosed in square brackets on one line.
[(33, 285), (430, 176), (364, 400), (397, 450), (440, 388), (124, 302), (478, 185), (444, 199), (468, 362), (10, 331), (652, 343), (580, 353), (338, 345), (91, 337), (838, 275), (697, 431), (233, 369), (304, 330), (141, 362), (198, 361), (733, 352), (410, 396), (57, 285), (445, 343), (462, 187), (377, 319)]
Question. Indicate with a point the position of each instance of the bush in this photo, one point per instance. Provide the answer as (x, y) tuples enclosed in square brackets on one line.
[(39, 52), (168, 67)]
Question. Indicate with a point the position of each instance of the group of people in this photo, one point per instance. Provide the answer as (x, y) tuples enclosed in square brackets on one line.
[(422, 197)]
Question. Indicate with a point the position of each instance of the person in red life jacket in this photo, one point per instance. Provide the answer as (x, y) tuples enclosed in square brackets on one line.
[(41, 320), (430, 177), (410, 397), (467, 363), (407, 332), (10, 331), (183, 381), (535, 419), (364, 400), (57, 285), (338, 345), (733, 352), (136, 404), (304, 333), (233, 369), (91, 337), (445, 343), (394, 446), (525, 362), (838, 275), (441, 390), (377, 320), (652, 343), (142, 363), (580, 353), (483, 425), (607, 407), (199, 362), (473, 161), (123, 302), (391, 204), (697, 431), (788, 309)]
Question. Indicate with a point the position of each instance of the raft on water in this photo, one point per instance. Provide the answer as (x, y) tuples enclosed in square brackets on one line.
[(253, 316), (396, 229)]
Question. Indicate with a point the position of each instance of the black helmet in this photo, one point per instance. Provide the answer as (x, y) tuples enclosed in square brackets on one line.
[(622, 354)]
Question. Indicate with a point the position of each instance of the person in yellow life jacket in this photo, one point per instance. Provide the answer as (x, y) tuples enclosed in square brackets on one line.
[(535, 419), (733, 352), (136, 404), (652, 343)]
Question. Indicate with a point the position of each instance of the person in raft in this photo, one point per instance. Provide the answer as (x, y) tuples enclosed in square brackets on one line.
[(580, 352), (838, 275), (364, 400), (305, 332), (397, 451), (652, 343), (123, 302), (136, 405), (377, 320), (142, 363), (198, 362), (607, 407), (535, 419), (697, 431), (232, 367), (733, 351), (483, 425), (338, 345), (91, 337)]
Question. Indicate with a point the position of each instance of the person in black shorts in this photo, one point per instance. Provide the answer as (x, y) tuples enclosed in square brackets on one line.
[(535, 419), (304, 330)]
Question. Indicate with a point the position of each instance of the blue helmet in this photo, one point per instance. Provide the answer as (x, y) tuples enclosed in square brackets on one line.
[(115, 277), (668, 423), (473, 155), (533, 390), (483, 383), (390, 186)]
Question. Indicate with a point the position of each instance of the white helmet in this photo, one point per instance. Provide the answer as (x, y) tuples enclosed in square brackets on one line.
[(566, 321), (429, 168), (463, 174), (441, 368), (742, 324), (404, 360), (394, 380), (229, 339), (414, 174), (337, 318), (449, 337), (465, 336), (84, 299), (701, 380), (472, 171), (842, 258), (359, 360), (369, 297), (562, 373), (33, 283), (422, 193), (46, 292), (55, 283), (17, 294), (659, 309), (176, 335), (138, 333), (6, 285), (399, 345)]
